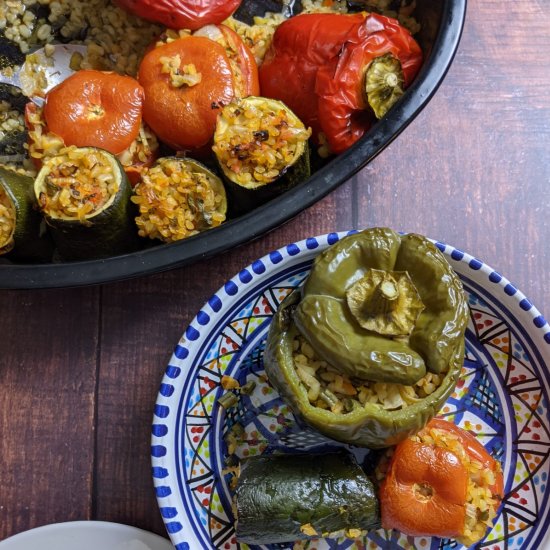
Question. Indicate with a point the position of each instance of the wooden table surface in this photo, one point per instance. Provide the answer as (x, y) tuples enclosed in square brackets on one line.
[(80, 368)]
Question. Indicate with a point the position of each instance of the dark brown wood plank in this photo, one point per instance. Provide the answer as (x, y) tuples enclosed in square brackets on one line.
[(48, 364)]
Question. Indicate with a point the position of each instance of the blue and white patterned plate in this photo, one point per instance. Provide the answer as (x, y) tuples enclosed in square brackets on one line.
[(502, 396)]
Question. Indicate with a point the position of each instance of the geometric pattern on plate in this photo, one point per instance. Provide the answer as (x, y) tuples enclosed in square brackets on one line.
[(502, 396)]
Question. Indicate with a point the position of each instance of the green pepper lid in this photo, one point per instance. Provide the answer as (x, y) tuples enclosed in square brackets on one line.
[(385, 302)]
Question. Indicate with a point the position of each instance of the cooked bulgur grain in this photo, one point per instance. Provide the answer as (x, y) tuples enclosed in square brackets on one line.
[(10, 120), (176, 202), (141, 149), (328, 389), (116, 39), (7, 222), (256, 140), (186, 75), (79, 184), (258, 36)]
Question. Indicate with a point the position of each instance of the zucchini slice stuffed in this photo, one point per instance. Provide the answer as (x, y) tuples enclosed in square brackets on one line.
[(262, 149), (372, 345), (178, 198), (283, 498), (23, 233), (84, 196)]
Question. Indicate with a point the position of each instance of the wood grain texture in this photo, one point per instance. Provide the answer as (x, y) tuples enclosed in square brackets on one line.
[(48, 366), (80, 368)]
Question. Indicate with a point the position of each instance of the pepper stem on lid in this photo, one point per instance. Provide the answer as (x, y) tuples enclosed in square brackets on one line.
[(384, 83), (385, 302)]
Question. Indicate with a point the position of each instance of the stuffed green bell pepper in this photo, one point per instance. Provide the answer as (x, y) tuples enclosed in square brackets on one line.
[(371, 346)]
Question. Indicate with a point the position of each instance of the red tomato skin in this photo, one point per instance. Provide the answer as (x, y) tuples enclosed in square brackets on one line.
[(95, 109), (181, 14), (246, 61)]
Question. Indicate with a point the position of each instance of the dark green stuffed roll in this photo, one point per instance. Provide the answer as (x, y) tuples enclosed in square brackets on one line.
[(291, 497)]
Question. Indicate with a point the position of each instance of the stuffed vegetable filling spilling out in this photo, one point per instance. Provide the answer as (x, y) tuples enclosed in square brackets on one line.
[(7, 222), (77, 184), (257, 140), (335, 391), (178, 198)]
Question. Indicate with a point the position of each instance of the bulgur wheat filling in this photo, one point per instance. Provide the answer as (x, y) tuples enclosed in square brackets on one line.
[(482, 505), (80, 183), (7, 222), (330, 390), (186, 75), (256, 141), (175, 203)]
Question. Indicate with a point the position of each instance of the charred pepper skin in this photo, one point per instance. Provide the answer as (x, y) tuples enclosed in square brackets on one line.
[(437, 338)]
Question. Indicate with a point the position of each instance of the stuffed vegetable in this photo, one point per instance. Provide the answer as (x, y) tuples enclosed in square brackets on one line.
[(371, 346)]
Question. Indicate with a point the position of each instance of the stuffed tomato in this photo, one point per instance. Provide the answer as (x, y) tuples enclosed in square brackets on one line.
[(188, 80), (371, 346), (443, 483), (93, 109)]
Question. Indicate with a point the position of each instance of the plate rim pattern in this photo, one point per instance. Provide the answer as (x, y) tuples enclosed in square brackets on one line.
[(232, 292)]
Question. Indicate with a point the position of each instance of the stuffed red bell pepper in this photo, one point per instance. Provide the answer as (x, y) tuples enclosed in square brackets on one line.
[(340, 72)]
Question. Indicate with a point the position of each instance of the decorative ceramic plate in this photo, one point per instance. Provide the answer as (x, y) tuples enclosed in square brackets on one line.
[(86, 535), (502, 396)]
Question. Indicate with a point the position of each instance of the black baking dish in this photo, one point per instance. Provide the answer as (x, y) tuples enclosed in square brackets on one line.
[(441, 22)]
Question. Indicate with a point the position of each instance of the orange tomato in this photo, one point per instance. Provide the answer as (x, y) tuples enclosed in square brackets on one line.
[(426, 488), (95, 109), (185, 117)]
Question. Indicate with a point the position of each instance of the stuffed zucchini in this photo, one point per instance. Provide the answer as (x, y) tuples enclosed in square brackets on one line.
[(178, 198), (284, 498), (23, 233), (84, 196), (372, 345), (262, 149)]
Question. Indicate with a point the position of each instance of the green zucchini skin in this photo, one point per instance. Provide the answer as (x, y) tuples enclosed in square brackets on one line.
[(279, 494), (243, 199), (192, 165), (32, 242), (109, 233)]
